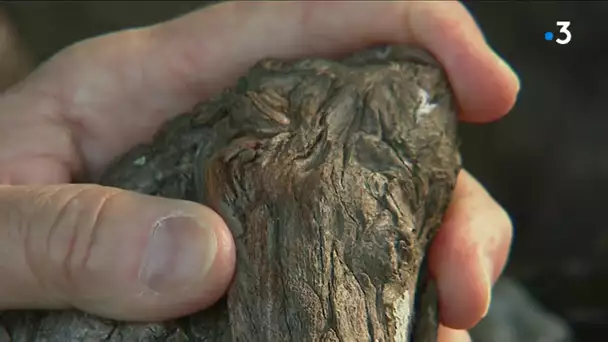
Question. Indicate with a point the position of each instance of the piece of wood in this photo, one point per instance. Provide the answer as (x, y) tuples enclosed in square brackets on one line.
[(333, 177)]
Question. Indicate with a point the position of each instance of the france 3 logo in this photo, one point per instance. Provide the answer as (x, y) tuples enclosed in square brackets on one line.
[(563, 37)]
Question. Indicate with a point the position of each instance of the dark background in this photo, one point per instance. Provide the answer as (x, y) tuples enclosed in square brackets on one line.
[(546, 162)]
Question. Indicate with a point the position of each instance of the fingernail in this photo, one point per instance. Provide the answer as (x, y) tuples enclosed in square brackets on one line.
[(180, 252), (488, 269)]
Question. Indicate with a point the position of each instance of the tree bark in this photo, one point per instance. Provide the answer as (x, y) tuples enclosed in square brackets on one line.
[(333, 177)]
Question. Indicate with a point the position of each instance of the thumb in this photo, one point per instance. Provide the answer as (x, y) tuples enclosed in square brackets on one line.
[(110, 252)]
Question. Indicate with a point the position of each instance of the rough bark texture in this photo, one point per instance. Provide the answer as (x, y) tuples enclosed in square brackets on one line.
[(333, 177)]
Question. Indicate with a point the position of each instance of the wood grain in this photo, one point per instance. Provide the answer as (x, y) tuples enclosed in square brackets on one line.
[(333, 177)]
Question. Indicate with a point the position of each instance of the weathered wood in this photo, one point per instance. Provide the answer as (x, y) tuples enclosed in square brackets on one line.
[(333, 177)]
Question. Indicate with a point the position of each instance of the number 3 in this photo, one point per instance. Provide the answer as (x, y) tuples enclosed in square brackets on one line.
[(564, 29)]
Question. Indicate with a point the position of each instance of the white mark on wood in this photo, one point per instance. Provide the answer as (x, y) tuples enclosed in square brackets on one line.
[(424, 104), (402, 314), (141, 161)]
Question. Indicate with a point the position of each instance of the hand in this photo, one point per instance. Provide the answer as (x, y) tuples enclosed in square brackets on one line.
[(82, 246)]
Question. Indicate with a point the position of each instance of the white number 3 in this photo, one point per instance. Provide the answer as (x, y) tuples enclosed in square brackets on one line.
[(564, 29)]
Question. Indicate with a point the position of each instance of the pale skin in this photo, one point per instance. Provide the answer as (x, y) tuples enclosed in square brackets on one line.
[(96, 99)]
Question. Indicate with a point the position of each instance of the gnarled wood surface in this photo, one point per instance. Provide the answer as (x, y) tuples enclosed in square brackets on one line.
[(333, 177)]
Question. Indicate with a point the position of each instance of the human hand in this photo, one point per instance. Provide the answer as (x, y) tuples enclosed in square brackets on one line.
[(69, 245)]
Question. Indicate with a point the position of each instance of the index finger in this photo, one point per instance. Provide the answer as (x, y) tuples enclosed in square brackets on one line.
[(116, 90), (241, 33)]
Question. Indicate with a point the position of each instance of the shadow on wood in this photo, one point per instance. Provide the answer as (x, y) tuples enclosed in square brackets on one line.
[(333, 178)]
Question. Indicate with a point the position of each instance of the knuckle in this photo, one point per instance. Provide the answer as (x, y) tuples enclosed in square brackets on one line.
[(502, 216), (504, 222), (70, 233)]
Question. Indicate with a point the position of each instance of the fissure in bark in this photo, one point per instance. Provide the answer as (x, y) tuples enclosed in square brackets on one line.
[(333, 177)]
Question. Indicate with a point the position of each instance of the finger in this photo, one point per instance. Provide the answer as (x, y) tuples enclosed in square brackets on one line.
[(469, 253), (451, 335), (114, 91), (110, 252), (245, 32)]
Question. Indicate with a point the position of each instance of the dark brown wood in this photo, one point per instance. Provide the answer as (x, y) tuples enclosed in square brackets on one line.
[(333, 177)]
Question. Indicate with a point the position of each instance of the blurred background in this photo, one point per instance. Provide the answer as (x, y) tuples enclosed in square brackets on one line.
[(546, 162)]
